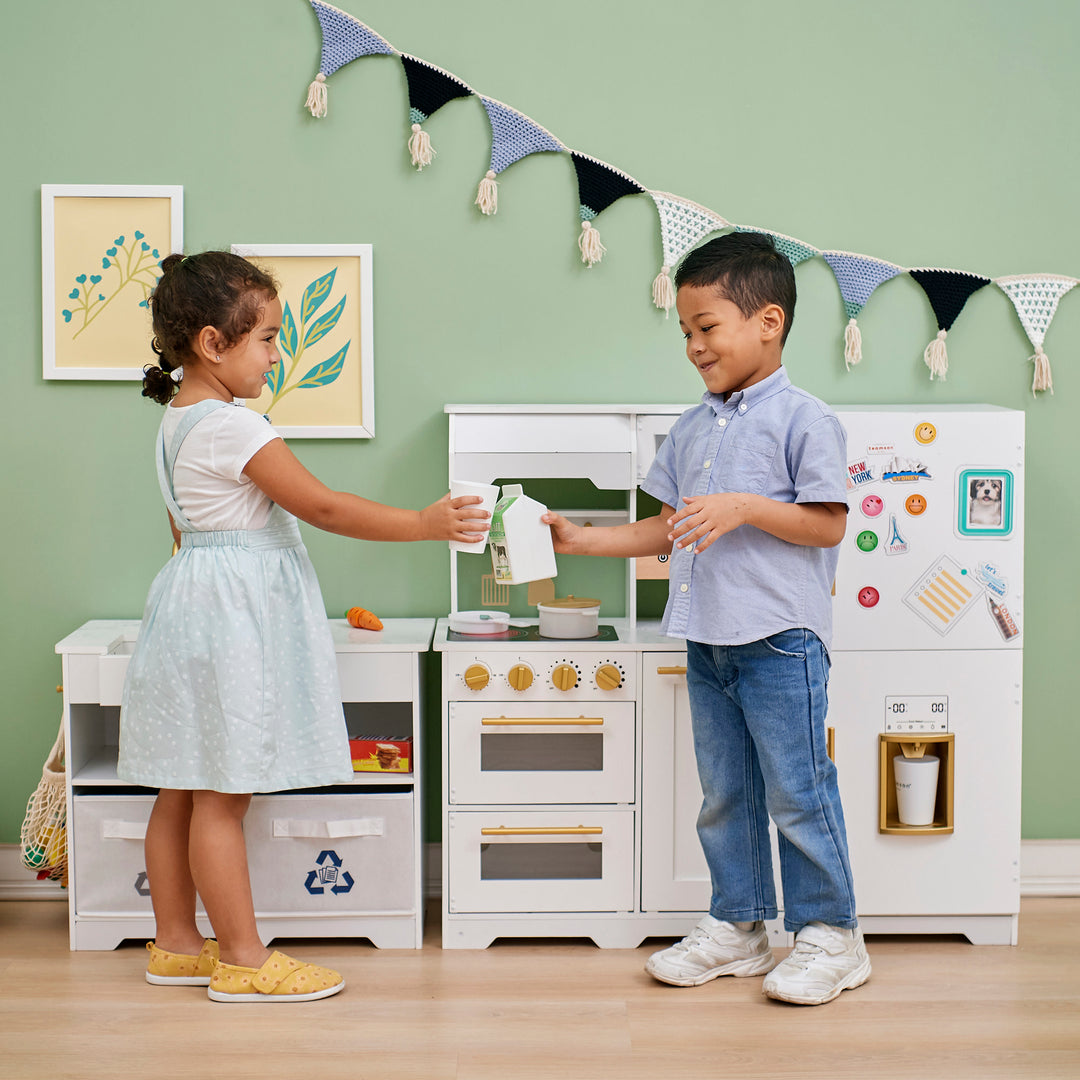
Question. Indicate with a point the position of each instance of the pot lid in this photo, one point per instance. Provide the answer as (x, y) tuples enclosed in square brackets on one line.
[(569, 602)]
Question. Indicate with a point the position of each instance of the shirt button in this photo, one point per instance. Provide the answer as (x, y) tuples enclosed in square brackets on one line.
[(684, 588), (742, 407), (722, 422), (690, 549), (708, 464)]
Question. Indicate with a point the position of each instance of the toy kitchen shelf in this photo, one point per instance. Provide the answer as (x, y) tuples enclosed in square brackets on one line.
[(340, 861), (611, 445)]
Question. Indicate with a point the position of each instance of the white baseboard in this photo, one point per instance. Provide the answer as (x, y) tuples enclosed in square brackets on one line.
[(1047, 868)]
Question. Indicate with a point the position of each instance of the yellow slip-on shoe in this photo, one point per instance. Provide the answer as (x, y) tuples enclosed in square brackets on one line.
[(178, 969), (281, 978)]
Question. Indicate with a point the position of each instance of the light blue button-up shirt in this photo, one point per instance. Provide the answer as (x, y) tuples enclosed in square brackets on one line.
[(771, 439)]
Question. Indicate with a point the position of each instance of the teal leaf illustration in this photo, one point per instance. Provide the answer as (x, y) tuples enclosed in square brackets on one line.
[(74, 294), (276, 379), (81, 279), (66, 314), (139, 235), (324, 324), (287, 335), (94, 279), (326, 371), (315, 294)]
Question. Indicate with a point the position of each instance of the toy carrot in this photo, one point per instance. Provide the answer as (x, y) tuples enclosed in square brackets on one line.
[(363, 619)]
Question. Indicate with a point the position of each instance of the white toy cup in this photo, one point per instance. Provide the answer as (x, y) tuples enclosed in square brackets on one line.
[(916, 788), (489, 493)]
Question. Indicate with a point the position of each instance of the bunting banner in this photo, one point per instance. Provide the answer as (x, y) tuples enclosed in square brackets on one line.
[(857, 276), (1035, 297), (344, 39), (948, 292), (795, 250), (513, 137), (430, 88), (683, 223), (599, 185)]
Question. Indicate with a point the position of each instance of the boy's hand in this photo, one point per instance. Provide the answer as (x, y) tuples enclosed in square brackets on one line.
[(458, 519), (565, 534), (705, 518)]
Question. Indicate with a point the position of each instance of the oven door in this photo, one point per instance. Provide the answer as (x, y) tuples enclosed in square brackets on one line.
[(543, 752), (541, 861)]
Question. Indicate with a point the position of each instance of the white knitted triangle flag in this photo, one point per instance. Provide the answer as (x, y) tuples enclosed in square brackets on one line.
[(1035, 297), (682, 224)]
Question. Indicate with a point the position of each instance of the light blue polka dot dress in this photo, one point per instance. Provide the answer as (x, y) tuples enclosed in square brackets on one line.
[(233, 684)]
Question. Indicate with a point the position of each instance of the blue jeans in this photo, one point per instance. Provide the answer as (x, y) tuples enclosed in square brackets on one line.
[(758, 714)]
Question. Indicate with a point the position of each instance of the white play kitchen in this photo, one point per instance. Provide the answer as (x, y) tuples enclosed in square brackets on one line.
[(569, 787)]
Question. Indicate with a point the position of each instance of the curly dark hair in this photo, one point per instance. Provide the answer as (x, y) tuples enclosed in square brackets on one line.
[(214, 288)]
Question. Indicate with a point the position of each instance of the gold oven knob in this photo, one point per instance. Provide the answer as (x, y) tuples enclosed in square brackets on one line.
[(564, 677), (520, 676), (608, 677), (477, 676)]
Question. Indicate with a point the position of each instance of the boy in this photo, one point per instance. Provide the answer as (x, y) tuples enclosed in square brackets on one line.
[(753, 492)]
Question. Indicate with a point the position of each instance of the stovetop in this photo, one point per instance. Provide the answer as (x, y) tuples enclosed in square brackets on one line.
[(529, 633)]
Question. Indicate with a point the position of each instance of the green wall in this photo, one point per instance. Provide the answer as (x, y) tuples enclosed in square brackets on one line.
[(927, 134)]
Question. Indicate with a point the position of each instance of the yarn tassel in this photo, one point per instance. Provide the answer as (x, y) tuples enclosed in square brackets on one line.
[(852, 343), (420, 147), (316, 96), (937, 359), (487, 197), (592, 251), (663, 291), (1043, 380)]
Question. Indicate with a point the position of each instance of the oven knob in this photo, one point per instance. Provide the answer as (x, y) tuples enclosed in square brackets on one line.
[(564, 677), (520, 676), (477, 676), (608, 677)]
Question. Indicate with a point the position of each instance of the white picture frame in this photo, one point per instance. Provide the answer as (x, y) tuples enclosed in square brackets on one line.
[(326, 297), (102, 243)]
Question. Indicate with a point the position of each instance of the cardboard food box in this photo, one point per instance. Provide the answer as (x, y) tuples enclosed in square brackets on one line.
[(381, 753)]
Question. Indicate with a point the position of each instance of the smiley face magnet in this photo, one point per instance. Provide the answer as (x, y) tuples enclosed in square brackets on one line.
[(915, 504), (925, 433)]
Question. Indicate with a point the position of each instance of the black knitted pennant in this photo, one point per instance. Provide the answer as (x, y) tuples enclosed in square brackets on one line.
[(948, 291), (430, 88), (600, 185)]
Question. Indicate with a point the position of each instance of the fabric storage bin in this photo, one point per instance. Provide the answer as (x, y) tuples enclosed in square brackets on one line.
[(109, 865), (331, 854)]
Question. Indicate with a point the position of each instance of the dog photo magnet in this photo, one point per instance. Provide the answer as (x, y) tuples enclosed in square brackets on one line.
[(984, 503)]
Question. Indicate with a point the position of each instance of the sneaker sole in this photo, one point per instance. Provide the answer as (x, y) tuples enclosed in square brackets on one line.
[(855, 979), (741, 969), (273, 999), (178, 980)]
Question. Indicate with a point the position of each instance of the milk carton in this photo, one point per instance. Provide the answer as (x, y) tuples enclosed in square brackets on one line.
[(521, 548)]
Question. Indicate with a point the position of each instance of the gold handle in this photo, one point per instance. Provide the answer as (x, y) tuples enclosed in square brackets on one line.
[(676, 670), (546, 721), (830, 743), (568, 830)]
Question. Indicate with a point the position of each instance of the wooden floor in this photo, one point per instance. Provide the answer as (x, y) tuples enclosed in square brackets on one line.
[(523, 1010)]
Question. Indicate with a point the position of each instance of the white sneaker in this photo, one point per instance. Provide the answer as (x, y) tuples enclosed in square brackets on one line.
[(711, 949), (825, 960)]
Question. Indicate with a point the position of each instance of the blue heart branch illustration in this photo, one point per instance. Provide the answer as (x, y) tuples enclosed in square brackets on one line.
[(135, 263), (294, 340)]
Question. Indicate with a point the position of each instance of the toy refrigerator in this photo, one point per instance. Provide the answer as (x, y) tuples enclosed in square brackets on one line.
[(927, 664)]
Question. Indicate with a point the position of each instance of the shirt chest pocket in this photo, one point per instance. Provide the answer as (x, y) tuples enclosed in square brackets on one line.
[(749, 462)]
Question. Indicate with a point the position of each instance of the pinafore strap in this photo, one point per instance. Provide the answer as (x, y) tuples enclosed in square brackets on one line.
[(167, 459)]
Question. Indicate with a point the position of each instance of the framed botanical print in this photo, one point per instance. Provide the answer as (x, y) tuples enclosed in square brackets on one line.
[(323, 388), (101, 252)]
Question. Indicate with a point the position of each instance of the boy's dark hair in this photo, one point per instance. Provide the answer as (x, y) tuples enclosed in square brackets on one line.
[(746, 269), (215, 288)]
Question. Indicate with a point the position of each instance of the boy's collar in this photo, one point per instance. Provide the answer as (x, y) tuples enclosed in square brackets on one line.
[(752, 395)]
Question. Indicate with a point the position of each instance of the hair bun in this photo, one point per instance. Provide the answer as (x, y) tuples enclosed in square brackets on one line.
[(158, 384), (171, 261)]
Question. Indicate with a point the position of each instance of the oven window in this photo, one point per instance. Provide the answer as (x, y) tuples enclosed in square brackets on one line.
[(541, 862), (565, 751)]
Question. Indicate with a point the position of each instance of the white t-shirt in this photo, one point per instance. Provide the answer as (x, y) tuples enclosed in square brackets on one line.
[(208, 478)]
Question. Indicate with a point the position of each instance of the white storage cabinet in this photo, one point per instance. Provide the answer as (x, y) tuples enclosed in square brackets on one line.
[(333, 862)]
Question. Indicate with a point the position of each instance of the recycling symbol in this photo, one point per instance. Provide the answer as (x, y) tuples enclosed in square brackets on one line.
[(328, 872), (141, 887)]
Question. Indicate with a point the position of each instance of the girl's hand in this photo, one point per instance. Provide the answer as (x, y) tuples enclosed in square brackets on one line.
[(458, 519), (565, 536), (705, 518)]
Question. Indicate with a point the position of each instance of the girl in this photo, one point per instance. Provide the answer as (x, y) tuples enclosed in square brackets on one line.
[(233, 686)]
